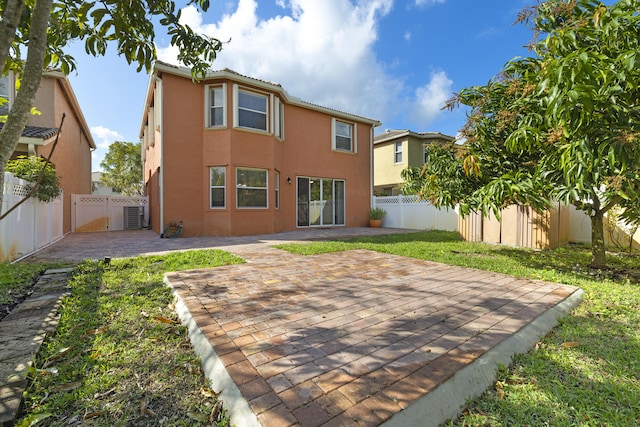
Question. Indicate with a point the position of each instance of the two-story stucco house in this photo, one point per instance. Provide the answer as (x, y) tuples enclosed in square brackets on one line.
[(234, 155), (72, 155), (395, 150)]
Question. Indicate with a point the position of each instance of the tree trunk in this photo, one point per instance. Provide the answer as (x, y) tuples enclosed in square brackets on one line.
[(17, 118), (597, 240)]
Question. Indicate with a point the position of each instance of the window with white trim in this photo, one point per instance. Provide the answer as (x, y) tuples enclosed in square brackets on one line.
[(218, 185), (343, 136), (7, 89), (279, 119), (216, 99), (251, 188), (252, 110), (397, 152), (276, 185), (424, 152)]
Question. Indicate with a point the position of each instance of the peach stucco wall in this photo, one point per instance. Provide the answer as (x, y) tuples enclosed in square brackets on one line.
[(72, 155), (189, 149)]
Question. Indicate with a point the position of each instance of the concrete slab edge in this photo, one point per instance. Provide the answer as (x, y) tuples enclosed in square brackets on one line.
[(446, 401), (214, 370)]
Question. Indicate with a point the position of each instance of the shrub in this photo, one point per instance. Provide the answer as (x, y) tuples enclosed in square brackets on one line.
[(377, 213), (29, 168)]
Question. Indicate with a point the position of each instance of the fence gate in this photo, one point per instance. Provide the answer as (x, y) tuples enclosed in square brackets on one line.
[(93, 212)]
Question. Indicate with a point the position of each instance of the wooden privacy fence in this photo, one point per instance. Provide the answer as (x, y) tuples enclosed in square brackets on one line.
[(412, 213), (30, 227), (518, 226), (95, 212)]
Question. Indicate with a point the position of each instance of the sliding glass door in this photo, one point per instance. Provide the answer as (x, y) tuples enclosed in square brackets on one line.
[(320, 202)]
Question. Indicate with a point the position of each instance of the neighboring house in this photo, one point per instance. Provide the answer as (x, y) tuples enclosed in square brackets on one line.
[(98, 187), (72, 156), (395, 150), (234, 155)]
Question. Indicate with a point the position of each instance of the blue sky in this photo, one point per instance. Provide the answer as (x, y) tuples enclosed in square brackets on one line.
[(394, 61)]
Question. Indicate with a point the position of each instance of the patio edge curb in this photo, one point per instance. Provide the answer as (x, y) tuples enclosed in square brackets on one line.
[(214, 370), (446, 401)]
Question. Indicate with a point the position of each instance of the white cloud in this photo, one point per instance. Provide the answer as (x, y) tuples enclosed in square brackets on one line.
[(430, 98), (427, 2), (103, 138), (407, 36), (320, 51)]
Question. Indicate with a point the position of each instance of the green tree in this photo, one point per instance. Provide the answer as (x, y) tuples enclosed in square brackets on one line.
[(562, 124), (122, 168), (48, 27), (29, 169)]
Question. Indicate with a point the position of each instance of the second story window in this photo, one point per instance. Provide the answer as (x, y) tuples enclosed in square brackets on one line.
[(252, 110), (397, 152), (215, 104), (6, 94), (343, 136)]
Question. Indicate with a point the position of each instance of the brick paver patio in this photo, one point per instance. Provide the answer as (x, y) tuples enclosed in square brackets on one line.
[(354, 338)]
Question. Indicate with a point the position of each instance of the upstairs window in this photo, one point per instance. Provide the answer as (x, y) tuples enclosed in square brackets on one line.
[(216, 101), (6, 94), (343, 136), (397, 152), (279, 119), (252, 112)]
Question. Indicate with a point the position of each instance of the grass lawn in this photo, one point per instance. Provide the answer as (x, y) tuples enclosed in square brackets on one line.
[(120, 356), (586, 371)]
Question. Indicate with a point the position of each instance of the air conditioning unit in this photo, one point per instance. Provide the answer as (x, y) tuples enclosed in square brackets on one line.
[(132, 217)]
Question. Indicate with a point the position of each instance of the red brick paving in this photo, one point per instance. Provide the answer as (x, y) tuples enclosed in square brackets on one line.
[(351, 338)]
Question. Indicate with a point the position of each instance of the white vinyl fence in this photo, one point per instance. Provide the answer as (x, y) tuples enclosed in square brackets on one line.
[(412, 213), (96, 212), (32, 226)]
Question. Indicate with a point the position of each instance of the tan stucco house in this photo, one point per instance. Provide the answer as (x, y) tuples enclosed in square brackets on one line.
[(395, 150), (72, 156), (234, 155)]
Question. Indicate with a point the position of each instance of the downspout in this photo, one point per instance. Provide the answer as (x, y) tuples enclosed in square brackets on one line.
[(160, 135), (371, 166)]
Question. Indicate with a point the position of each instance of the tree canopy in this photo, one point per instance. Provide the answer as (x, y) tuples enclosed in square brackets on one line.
[(47, 28), (562, 124), (30, 169), (122, 168)]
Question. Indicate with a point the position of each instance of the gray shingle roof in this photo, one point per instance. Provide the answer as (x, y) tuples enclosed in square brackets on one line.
[(37, 132)]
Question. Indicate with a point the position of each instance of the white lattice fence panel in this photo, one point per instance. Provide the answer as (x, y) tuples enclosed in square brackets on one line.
[(105, 212)]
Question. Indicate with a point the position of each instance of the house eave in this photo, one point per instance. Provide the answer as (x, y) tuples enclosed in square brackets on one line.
[(162, 67)]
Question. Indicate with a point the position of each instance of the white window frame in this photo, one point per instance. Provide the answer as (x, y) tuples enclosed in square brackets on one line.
[(278, 118), (334, 135), (397, 151), (212, 187), (236, 107), (266, 188), (11, 90), (208, 100), (276, 186), (424, 153)]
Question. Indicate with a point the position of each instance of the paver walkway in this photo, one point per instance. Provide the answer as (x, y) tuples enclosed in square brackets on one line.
[(21, 334), (345, 339)]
